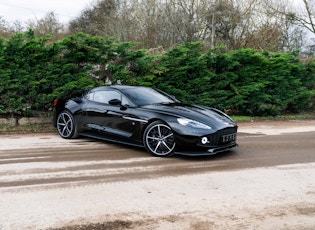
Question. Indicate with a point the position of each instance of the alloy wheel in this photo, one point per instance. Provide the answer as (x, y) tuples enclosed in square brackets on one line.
[(65, 125), (159, 139)]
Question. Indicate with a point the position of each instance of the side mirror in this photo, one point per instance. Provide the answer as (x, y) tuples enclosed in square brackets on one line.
[(115, 102)]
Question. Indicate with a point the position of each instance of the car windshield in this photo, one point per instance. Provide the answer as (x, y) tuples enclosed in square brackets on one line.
[(146, 96)]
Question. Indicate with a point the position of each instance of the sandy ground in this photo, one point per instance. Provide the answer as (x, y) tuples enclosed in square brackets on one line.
[(277, 198), (277, 127), (281, 197)]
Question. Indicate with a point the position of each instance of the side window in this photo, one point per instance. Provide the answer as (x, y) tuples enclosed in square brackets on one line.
[(89, 96), (99, 97), (124, 101), (106, 96)]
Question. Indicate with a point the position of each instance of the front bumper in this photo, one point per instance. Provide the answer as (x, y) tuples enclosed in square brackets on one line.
[(208, 152)]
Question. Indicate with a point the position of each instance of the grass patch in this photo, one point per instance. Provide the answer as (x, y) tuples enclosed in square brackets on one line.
[(31, 128), (242, 118), (305, 116)]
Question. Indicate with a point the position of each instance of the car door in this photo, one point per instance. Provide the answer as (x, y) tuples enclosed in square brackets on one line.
[(108, 117)]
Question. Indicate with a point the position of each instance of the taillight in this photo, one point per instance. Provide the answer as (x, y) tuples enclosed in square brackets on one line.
[(55, 102)]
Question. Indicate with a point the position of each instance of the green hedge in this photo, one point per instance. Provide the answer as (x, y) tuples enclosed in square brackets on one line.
[(34, 71), (242, 81)]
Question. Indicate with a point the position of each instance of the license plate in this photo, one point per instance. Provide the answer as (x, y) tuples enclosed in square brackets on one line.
[(229, 138)]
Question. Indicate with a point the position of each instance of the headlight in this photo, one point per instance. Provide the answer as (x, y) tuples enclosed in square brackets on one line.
[(192, 123)]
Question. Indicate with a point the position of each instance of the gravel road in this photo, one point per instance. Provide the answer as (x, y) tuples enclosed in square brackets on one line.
[(47, 182)]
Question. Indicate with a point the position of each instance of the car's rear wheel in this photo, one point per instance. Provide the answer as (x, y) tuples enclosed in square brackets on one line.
[(66, 125), (159, 139)]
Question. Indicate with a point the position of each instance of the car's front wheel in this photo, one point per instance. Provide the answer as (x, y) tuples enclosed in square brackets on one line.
[(159, 139), (66, 125)]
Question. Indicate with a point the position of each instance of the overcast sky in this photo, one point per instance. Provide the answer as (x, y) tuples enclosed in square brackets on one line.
[(23, 10)]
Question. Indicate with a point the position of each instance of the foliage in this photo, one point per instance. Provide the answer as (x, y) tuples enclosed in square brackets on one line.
[(35, 70), (181, 70), (242, 81), (259, 83)]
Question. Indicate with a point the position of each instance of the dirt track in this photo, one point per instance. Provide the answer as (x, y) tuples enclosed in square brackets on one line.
[(266, 183)]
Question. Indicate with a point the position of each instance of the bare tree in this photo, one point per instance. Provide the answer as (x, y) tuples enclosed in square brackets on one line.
[(298, 19), (7, 29), (3, 27), (260, 24), (305, 15), (48, 25), (227, 18), (98, 19)]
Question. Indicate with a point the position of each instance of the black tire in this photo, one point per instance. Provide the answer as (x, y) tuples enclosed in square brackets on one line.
[(158, 139), (66, 125)]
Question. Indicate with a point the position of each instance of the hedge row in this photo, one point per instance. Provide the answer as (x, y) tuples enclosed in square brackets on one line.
[(34, 71)]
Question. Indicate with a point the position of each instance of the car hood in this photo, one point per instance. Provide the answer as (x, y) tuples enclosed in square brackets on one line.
[(210, 116)]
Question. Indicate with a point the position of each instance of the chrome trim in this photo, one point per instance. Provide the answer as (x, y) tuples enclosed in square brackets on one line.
[(135, 119)]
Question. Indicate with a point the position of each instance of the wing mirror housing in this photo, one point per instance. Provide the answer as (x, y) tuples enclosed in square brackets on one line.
[(115, 102)]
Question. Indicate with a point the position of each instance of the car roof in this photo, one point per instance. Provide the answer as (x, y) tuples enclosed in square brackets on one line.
[(119, 87)]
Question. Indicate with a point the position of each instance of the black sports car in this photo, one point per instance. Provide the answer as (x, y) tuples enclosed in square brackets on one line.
[(142, 116)]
